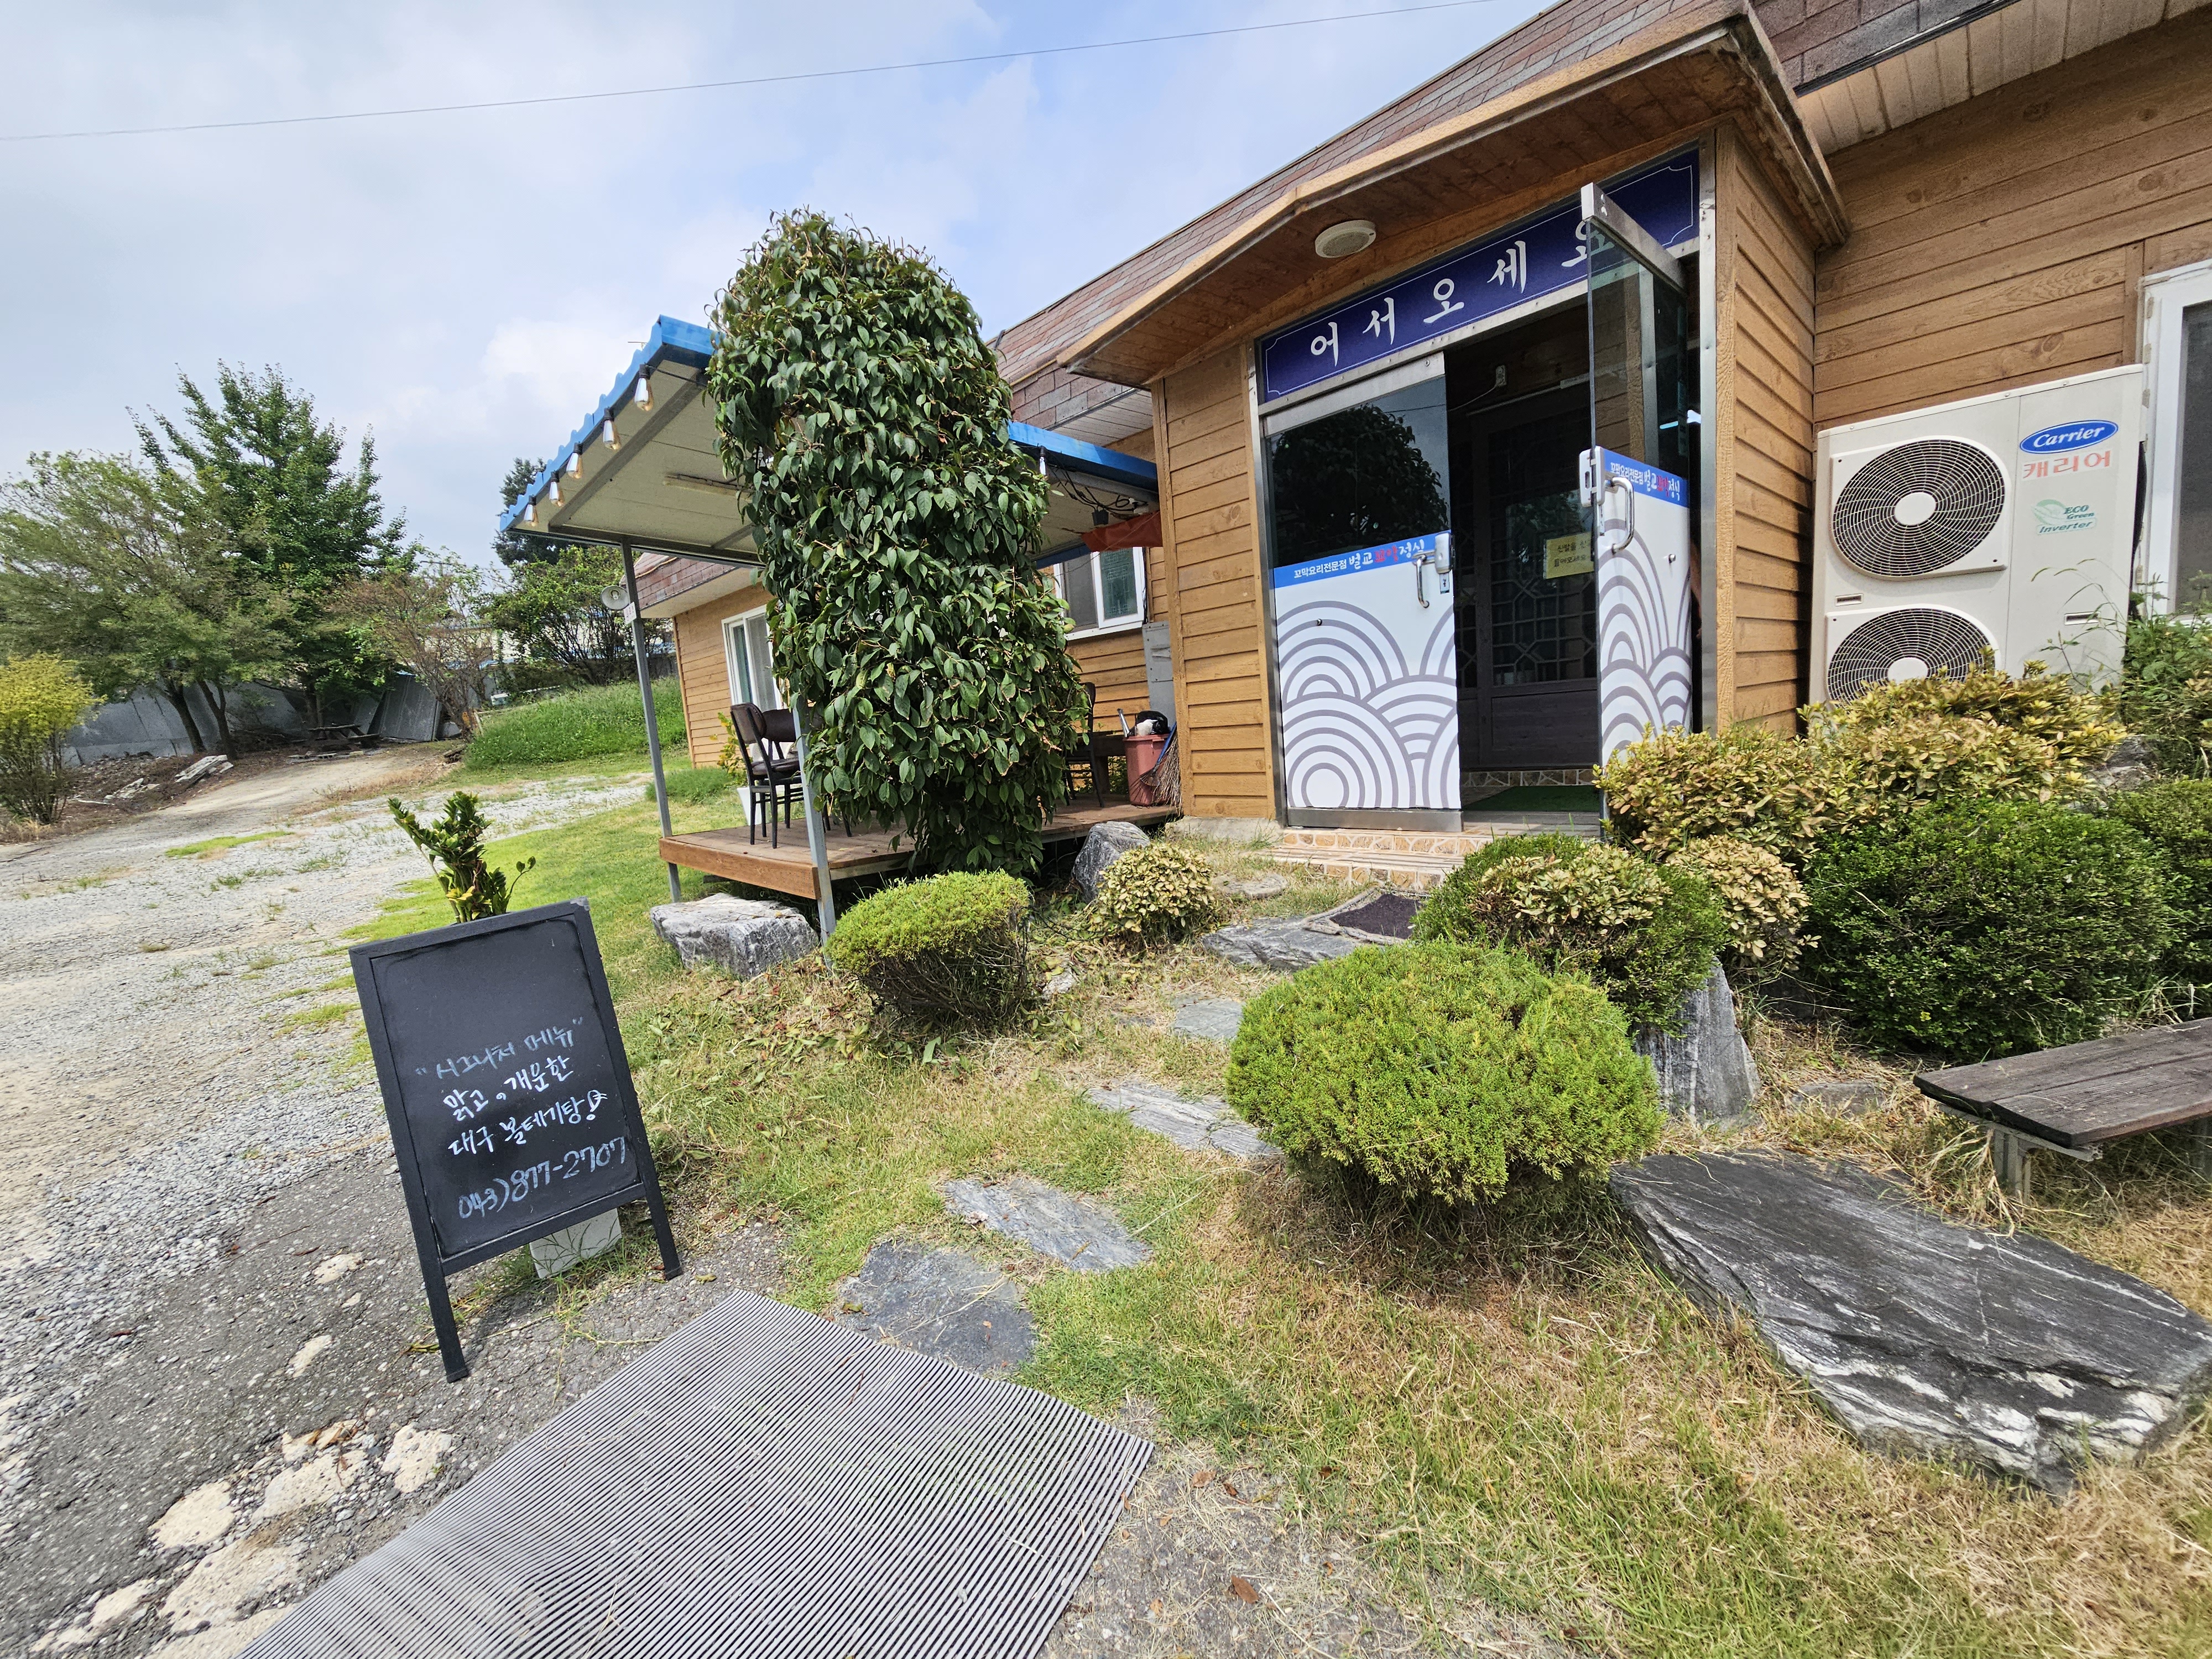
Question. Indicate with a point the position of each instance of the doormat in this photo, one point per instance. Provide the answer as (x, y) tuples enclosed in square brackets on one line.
[(1386, 915), (763, 1482), (1536, 798)]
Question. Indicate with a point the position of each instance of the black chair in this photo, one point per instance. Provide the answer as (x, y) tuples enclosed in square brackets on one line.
[(771, 778), (783, 728), (1085, 759)]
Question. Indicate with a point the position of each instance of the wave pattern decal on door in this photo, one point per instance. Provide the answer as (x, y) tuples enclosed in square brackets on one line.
[(1365, 728), (1643, 603)]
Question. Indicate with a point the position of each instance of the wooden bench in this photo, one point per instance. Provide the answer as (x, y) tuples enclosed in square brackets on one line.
[(2073, 1101)]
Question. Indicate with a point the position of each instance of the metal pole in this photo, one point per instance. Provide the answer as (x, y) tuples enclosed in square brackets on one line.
[(651, 715), (817, 836)]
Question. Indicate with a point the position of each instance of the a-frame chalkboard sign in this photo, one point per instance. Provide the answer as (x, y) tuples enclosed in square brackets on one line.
[(507, 1089)]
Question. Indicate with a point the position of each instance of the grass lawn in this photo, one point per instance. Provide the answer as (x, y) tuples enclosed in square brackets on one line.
[(1514, 1408)]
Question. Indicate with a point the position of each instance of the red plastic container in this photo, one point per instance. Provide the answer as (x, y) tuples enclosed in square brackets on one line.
[(1144, 754)]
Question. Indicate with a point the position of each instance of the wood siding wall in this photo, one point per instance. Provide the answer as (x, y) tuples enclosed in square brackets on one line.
[(1114, 663), (1764, 281), (1201, 423), (2001, 243), (702, 669)]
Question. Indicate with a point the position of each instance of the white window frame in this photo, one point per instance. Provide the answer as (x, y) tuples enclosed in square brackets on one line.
[(732, 626), (1120, 624), (2165, 296)]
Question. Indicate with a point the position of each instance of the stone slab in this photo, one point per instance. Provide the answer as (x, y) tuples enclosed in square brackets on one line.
[(1206, 1125), (1705, 1075), (1076, 1232), (1851, 1096), (1214, 1019), (1251, 887), (1106, 842), (741, 937), (2003, 1351), (938, 1302), (1286, 945)]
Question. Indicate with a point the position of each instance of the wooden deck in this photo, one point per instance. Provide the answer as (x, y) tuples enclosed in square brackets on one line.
[(789, 866)]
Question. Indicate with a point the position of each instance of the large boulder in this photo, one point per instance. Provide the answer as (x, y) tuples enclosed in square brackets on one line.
[(1705, 1074), (743, 937), (1286, 946), (2001, 1351), (1106, 842)]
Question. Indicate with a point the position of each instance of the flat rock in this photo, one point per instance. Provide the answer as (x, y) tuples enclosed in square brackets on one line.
[(1214, 1019), (1853, 1096), (938, 1302), (1076, 1232), (2003, 1351), (741, 937), (1705, 1074), (1251, 887), (1286, 946), (1106, 842), (1206, 1125)]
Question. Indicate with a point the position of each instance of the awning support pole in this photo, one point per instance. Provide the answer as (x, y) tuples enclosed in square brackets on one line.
[(817, 835), (651, 715)]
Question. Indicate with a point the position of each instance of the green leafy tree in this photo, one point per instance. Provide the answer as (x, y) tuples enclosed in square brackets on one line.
[(41, 698), (130, 574), (424, 615), (555, 611), (454, 841), (304, 523), (517, 547), (864, 421)]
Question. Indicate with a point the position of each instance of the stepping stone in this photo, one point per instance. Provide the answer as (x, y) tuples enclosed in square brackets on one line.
[(1216, 1019), (938, 1302), (1853, 1096), (1251, 887), (2003, 1351), (741, 937), (1076, 1232), (1196, 1126), (1284, 945)]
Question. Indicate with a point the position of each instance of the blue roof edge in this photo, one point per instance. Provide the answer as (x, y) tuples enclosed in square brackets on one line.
[(693, 344)]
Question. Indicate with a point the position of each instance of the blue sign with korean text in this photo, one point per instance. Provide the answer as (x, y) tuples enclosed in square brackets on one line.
[(1361, 558), (1646, 480), (1539, 257)]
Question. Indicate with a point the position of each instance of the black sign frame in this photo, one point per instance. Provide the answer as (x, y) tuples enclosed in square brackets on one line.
[(436, 1263)]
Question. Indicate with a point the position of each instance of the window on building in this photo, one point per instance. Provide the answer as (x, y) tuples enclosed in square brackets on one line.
[(1102, 591), (752, 668), (2178, 511)]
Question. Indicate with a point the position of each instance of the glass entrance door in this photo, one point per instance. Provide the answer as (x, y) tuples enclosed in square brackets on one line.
[(1358, 497), (1638, 477)]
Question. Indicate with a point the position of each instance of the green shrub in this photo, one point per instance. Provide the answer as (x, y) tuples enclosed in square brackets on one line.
[(2077, 725), (951, 949), (1760, 898), (580, 725), (1153, 894), (455, 843), (40, 699), (1442, 1070), (2165, 691), (2176, 817), (1674, 787), (1988, 928), (1646, 933)]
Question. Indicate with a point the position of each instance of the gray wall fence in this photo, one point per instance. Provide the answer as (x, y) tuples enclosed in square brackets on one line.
[(146, 722)]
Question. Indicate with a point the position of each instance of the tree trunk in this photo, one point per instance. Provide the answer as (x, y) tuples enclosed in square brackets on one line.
[(182, 703), (220, 703)]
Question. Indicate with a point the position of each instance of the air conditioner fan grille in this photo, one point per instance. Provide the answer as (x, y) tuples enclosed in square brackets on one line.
[(1947, 643), (1968, 491)]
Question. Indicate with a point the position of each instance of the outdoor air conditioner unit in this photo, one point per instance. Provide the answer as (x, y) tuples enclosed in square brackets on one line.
[(2003, 525)]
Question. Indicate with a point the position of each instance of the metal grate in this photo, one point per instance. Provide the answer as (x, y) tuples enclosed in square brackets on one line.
[(1916, 508), (763, 1482), (1943, 642)]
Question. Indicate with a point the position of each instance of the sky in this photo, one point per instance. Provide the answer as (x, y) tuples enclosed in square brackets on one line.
[(464, 286)]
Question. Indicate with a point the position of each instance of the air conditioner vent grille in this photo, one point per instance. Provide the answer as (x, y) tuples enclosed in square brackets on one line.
[(1917, 507), (1942, 643)]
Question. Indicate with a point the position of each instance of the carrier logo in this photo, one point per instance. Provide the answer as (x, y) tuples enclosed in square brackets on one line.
[(2079, 436)]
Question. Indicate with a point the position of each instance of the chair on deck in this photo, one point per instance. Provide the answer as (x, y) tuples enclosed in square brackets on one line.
[(1087, 760), (783, 728), (771, 778)]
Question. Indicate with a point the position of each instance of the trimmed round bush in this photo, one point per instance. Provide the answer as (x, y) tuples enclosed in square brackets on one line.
[(2176, 818), (1647, 934), (1761, 900), (1154, 894), (949, 949), (1980, 929), (1443, 1070)]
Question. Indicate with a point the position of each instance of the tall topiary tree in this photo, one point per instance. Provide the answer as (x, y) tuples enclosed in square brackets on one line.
[(864, 421)]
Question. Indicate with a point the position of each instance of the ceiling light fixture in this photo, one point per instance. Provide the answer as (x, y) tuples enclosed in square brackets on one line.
[(643, 396), (612, 438), (1351, 236), (576, 463)]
